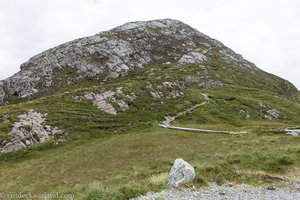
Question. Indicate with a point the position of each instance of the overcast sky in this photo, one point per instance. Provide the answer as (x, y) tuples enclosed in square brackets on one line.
[(266, 32)]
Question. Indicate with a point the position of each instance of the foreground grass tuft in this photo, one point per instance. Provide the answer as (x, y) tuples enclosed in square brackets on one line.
[(96, 191), (159, 180)]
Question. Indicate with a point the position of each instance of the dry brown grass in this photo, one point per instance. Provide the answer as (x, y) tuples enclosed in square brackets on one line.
[(158, 179)]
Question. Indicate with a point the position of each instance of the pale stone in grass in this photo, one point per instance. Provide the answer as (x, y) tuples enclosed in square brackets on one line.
[(181, 173)]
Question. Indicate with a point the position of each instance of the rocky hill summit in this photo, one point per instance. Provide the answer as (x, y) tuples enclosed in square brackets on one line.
[(112, 54), (134, 74), (104, 117)]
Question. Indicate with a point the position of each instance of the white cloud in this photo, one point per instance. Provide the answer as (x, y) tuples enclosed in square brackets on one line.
[(266, 32)]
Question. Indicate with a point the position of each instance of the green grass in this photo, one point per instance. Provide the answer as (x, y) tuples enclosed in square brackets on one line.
[(226, 102), (124, 164), (98, 191), (120, 157)]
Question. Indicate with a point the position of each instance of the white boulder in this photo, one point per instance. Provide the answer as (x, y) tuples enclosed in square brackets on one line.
[(181, 173)]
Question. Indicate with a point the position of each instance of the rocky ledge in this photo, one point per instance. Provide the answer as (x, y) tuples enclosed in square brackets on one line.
[(105, 101), (30, 129)]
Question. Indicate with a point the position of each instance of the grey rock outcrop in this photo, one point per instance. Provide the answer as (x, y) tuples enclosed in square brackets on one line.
[(174, 94), (293, 132), (192, 79), (169, 94), (112, 54), (5, 118), (245, 113), (181, 173), (211, 84), (192, 57), (31, 129), (104, 101), (156, 95), (169, 84), (271, 114), (101, 101), (262, 105), (168, 89)]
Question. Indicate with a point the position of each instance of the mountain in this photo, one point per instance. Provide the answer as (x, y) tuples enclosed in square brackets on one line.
[(115, 53), (114, 99)]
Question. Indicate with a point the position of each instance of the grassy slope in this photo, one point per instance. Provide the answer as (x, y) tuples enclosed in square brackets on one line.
[(127, 162), (132, 163), (225, 104)]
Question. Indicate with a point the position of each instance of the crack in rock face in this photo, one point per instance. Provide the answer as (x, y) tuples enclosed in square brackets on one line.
[(31, 129)]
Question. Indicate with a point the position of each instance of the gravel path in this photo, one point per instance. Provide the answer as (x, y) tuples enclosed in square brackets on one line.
[(169, 119), (242, 192)]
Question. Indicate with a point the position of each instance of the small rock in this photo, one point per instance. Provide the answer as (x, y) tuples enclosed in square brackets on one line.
[(119, 90), (245, 113), (192, 79), (122, 105), (5, 117), (262, 105), (169, 84), (271, 188), (156, 95), (174, 94), (181, 173)]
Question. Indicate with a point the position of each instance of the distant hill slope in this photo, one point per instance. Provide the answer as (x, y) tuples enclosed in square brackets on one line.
[(112, 54), (130, 78)]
